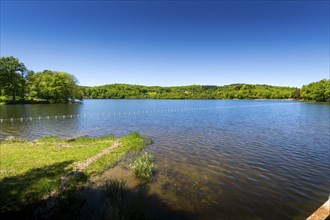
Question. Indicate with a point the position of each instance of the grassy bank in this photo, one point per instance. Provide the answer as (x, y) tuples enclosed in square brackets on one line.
[(31, 171)]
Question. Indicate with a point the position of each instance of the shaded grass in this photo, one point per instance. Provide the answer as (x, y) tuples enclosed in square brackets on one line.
[(31, 170), (124, 203)]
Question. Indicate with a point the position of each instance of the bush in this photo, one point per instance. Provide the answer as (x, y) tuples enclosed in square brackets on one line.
[(143, 166)]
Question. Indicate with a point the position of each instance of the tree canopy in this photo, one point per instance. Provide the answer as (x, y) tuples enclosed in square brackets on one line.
[(317, 91), (50, 86), (12, 77)]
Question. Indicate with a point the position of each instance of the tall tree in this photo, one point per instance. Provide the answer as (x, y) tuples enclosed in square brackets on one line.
[(12, 77)]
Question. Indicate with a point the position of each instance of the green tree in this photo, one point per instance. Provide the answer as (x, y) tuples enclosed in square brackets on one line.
[(54, 86), (12, 77), (317, 91), (296, 94)]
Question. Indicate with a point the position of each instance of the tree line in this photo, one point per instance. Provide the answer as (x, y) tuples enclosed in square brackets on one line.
[(316, 91), (19, 84), (234, 91)]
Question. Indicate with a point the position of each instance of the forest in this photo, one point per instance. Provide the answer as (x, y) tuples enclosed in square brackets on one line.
[(20, 85), (316, 91), (234, 91)]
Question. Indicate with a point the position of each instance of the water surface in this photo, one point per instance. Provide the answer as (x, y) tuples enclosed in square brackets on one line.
[(216, 159)]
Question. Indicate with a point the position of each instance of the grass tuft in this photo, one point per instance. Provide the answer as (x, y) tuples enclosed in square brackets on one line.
[(123, 202), (114, 189)]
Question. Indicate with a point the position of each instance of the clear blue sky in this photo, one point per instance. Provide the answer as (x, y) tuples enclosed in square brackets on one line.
[(171, 42)]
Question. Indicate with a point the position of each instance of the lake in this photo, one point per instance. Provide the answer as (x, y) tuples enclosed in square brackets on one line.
[(216, 159)]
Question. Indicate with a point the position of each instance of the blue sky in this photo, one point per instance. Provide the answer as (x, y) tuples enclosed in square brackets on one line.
[(171, 42)]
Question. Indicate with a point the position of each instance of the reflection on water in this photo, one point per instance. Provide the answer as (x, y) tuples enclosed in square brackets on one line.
[(244, 160)]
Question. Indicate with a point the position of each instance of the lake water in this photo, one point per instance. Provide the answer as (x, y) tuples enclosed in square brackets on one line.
[(216, 159)]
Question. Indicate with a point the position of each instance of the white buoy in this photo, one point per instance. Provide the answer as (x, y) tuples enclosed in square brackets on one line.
[(1, 120), (21, 119), (30, 118), (11, 119)]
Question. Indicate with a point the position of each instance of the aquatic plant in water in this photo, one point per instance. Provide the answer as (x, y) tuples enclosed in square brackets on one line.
[(143, 166)]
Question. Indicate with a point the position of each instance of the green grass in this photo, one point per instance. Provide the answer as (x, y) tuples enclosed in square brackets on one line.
[(143, 166), (131, 142), (31, 170)]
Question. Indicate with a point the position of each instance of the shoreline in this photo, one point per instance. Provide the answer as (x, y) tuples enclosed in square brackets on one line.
[(81, 101), (62, 168)]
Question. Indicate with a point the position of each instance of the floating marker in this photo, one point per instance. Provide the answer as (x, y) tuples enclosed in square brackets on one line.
[(129, 113)]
